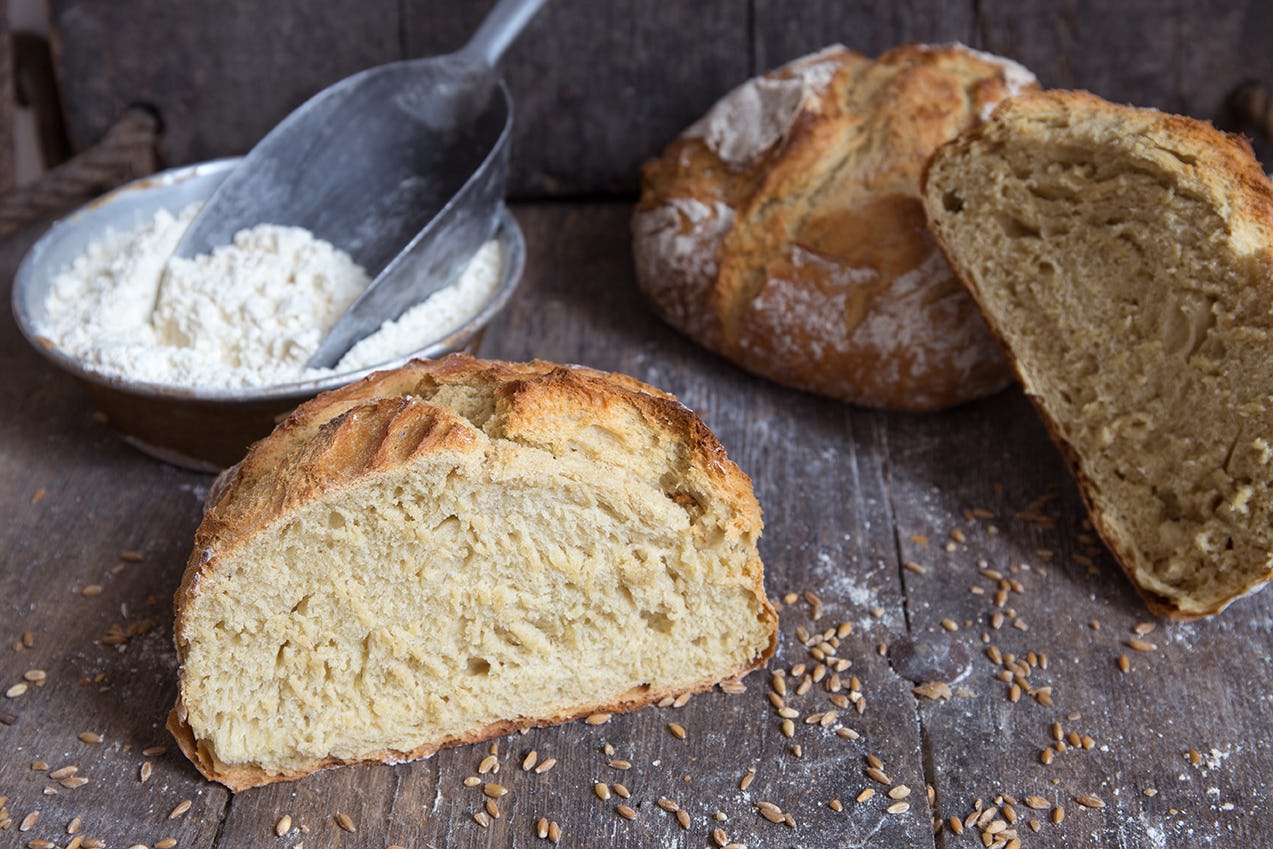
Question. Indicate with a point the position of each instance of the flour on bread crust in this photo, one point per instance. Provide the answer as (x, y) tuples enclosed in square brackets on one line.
[(752, 240)]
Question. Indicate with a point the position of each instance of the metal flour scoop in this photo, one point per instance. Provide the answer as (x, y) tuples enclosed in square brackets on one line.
[(403, 166)]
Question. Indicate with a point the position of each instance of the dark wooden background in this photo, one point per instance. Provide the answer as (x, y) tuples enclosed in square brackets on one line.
[(600, 85), (850, 496)]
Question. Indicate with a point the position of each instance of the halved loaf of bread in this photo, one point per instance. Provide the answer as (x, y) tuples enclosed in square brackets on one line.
[(1123, 257), (454, 550)]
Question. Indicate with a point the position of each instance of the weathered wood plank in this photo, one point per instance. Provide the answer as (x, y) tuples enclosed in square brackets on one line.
[(1221, 46), (364, 794), (600, 87), (1129, 51), (7, 100), (785, 29), (1142, 722), (74, 497), (1178, 56), (220, 73)]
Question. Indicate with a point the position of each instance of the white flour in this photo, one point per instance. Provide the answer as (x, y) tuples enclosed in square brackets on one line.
[(248, 314), (1016, 77), (756, 115), (437, 316)]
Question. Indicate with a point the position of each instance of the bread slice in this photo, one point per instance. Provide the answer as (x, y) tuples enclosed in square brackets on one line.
[(1123, 257), (454, 550)]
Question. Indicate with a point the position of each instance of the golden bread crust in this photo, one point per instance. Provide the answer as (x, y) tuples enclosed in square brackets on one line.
[(245, 776)]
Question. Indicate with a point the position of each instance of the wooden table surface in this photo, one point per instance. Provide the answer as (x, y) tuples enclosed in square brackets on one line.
[(939, 539)]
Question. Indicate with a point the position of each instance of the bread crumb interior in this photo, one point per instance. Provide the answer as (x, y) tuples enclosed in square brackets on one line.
[(461, 590), (1143, 329)]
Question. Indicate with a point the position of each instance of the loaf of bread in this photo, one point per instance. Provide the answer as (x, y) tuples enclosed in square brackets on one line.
[(1123, 257), (455, 550), (784, 229)]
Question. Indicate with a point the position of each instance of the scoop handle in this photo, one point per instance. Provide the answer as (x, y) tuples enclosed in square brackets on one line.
[(503, 24)]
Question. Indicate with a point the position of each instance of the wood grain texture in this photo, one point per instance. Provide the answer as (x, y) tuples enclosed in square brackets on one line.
[(600, 87), (7, 101), (220, 73), (1076, 607), (785, 29), (849, 496), (1130, 51), (1221, 47), (74, 497)]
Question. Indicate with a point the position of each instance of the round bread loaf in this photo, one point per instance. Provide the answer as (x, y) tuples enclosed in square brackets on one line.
[(784, 229), (456, 549)]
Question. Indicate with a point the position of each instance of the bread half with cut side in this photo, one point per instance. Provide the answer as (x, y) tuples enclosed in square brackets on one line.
[(1123, 258), (457, 549)]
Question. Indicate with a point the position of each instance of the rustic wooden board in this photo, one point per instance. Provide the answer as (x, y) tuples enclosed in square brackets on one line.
[(220, 73), (600, 87), (7, 100), (1220, 48), (1179, 56), (74, 497), (1128, 51), (785, 29), (1192, 692), (848, 496)]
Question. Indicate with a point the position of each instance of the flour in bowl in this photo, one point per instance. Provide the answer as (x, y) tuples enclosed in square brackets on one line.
[(248, 314)]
